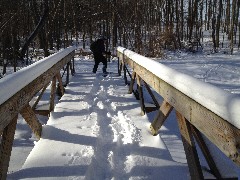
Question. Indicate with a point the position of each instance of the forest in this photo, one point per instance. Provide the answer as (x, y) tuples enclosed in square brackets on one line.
[(145, 26)]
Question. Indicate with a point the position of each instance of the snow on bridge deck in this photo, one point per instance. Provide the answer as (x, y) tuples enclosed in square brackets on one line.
[(96, 132)]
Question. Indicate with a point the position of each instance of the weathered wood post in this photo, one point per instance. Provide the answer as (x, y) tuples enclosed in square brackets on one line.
[(68, 70), (189, 147), (6, 147), (52, 95), (143, 109), (119, 70)]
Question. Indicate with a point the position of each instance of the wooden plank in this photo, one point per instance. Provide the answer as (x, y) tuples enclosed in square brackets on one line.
[(132, 82), (143, 111), (52, 95), (119, 71), (73, 67), (149, 109), (14, 105), (32, 120), (163, 112), (59, 78), (39, 97), (220, 132), (189, 147), (151, 94), (223, 134), (206, 152), (6, 147), (42, 112), (125, 74), (68, 72)]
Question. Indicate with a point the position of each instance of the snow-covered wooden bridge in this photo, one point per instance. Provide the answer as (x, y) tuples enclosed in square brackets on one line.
[(96, 131)]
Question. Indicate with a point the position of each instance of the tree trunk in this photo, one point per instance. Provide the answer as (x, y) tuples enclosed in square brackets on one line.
[(34, 33)]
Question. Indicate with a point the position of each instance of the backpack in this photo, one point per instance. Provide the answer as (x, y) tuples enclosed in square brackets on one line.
[(93, 47)]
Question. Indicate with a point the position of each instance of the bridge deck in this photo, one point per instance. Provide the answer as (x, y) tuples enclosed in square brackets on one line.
[(96, 132)]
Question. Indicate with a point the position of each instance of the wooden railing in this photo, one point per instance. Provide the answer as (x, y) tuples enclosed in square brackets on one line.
[(201, 116), (18, 89)]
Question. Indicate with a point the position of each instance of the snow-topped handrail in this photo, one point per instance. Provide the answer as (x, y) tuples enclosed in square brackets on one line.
[(16, 81), (222, 103), (18, 89), (213, 111)]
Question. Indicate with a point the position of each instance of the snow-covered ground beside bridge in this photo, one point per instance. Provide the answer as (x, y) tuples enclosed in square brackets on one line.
[(120, 146)]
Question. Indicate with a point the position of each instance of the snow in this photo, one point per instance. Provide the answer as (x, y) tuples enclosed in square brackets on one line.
[(16, 81), (220, 102), (97, 132)]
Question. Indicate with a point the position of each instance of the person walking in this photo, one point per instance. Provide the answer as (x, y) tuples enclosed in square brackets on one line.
[(98, 49)]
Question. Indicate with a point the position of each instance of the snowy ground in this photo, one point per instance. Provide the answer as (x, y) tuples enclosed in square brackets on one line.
[(222, 70), (120, 146)]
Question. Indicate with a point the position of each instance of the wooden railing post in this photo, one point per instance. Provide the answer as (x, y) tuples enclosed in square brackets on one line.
[(52, 95), (73, 66), (119, 70), (6, 147), (132, 82), (125, 73), (189, 147), (68, 69), (60, 85), (143, 111)]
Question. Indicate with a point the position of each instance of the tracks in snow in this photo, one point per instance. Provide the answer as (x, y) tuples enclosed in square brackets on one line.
[(114, 130)]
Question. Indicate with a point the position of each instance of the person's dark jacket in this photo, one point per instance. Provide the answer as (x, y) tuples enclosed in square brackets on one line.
[(98, 47)]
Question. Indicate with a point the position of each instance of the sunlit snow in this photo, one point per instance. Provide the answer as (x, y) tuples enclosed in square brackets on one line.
[(97, 132)]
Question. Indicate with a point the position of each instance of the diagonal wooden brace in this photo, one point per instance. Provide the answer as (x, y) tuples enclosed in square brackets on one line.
[(40, 96), (207, 154), (163, 112), (189, 147), (151, 94), (32, 120)]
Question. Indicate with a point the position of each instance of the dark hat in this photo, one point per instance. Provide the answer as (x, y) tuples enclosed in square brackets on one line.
[(103, 37)]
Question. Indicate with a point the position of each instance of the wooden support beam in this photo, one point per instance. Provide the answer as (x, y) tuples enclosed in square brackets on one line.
[(190, 148), (206, 152), (32, 120), (60, 84), (150, 108), (143, 111), (73, 67), (152, 95), (163, 112), (125, 73), (132, 82), (42, 112), (119, 67), (6, 147), (52, 95), (40, 96), (68, 70)]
